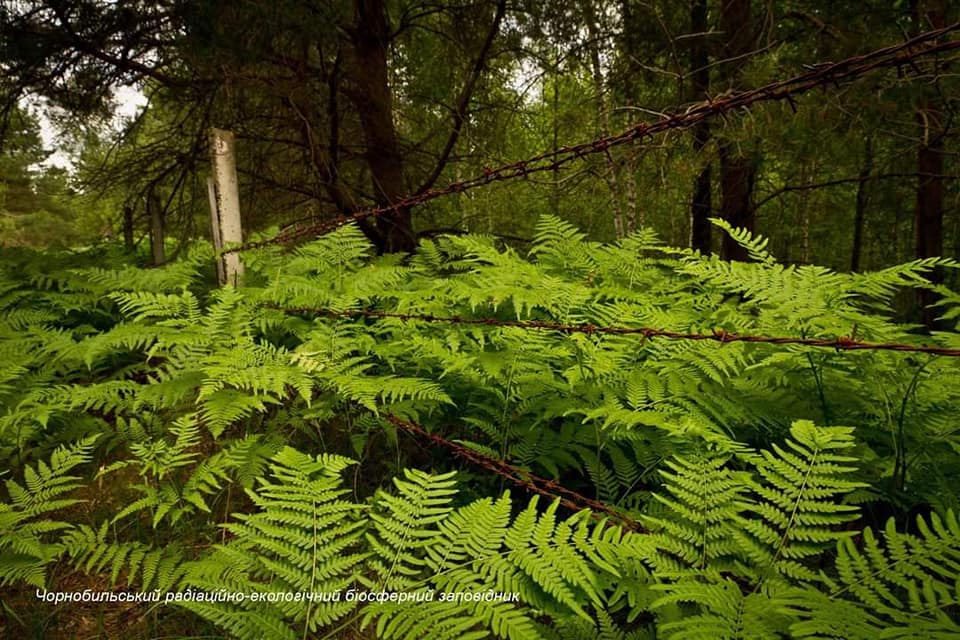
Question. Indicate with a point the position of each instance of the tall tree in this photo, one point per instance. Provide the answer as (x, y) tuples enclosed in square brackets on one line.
[(34, 197), (371, 95), (21, 151), (281, 75), (701, 204), (931, 120), (737, 169), (860, 211), (603, 118)]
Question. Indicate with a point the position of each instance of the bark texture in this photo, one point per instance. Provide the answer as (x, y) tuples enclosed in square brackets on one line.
[(737, 170), (701, 204)]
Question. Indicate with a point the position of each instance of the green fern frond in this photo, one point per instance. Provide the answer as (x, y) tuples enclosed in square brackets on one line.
[(756, 246), (174, 276), (899, 586), (407, 524), (725, 613), (142, 305), (705, 507), (303, 540), (799, 495), (147, 567), (26, 543)]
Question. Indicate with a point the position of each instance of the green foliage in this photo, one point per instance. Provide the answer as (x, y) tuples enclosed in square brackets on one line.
[(197, 409), (92, 551), (27, 538), (733, 542), (899, 586), (39, 203)]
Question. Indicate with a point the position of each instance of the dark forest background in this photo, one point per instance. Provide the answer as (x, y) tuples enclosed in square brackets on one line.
[(338, 106)]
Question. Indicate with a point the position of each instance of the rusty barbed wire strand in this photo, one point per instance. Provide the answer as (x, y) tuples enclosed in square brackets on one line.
[(897, 55), (843, 343), (524, 479)]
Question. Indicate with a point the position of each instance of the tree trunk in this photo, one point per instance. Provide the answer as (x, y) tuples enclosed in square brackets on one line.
[(807, 171), (217, 241), (155, 213), (555, 194), (699, 60), (928, 217), (861, 211), (128, 245), (374, 102), (633, 221), (928, 214), (737, 171), (737, 175), (593, 32)]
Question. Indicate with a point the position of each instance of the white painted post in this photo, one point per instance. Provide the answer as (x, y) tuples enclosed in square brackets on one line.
[(226, 197)]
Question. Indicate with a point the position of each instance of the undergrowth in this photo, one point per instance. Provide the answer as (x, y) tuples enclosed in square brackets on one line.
[(224, 444)]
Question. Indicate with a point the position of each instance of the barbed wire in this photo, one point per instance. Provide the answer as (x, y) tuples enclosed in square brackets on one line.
[(519, 477), (898, 55), (843, 343)]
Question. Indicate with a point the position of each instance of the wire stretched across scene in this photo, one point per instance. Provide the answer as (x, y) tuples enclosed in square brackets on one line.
[(519, 477), (898, 55), (843, 343)]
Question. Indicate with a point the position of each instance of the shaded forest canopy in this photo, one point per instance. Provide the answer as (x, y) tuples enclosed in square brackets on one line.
[(562, 320), (342, 106)]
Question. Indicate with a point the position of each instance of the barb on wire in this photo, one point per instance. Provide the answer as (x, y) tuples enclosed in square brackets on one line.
[(524, 479), (898, 55), (718, 335)]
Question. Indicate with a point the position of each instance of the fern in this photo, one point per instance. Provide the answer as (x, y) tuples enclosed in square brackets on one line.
[(736, 571), (798, 497), (408, 525), (898, 586), (707, 500), (303, 540), (27, 540), (195, 394), (147, 567), (476, 550), (756, 246)]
